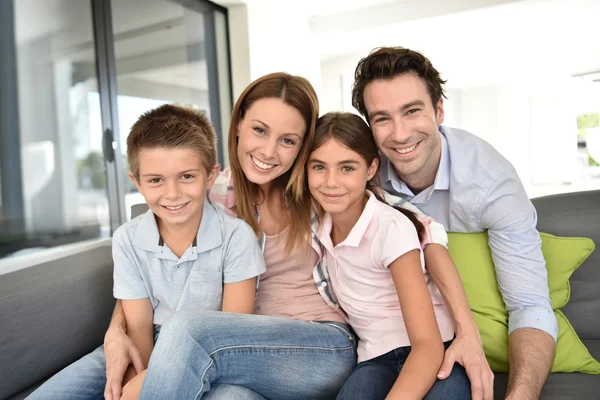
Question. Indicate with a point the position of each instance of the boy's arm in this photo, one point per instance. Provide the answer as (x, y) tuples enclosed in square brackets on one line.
[(120, 352), (243, 261), (467, 348), (140, 328), (427, 350), (128, 284), (239, 297)]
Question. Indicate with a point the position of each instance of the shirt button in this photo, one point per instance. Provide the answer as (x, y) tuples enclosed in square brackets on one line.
[(178, 267), (323, 284)]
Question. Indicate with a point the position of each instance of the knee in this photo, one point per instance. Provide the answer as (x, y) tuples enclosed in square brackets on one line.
[(455, 387)]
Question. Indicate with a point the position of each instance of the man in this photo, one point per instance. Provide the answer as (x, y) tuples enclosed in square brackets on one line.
[(466, 185)]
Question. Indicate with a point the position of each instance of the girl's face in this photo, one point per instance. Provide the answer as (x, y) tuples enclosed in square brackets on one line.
[(269, 138), (338, 176)]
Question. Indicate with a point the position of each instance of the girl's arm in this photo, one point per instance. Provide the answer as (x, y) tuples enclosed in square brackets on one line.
[(140, 328), (239, 297), (419, 371)]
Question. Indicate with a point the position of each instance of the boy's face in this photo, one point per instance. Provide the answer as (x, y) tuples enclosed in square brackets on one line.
[(174, 183)]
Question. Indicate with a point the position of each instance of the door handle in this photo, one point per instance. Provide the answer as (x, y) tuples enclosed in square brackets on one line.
[(108, 145)]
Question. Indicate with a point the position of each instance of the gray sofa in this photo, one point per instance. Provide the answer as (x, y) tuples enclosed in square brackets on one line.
[(53, 313)]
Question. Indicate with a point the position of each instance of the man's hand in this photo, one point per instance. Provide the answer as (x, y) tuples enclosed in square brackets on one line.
[(120, 352), (131, 391), (468, 352)]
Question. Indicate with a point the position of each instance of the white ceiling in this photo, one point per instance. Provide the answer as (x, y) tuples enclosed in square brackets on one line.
[(536, 38)]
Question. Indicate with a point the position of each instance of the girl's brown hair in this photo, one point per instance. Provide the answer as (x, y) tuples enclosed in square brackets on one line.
[(352, 132), (296, 92)]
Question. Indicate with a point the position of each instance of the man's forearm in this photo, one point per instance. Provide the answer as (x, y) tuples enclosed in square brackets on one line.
[(531, 354), (444, 274)]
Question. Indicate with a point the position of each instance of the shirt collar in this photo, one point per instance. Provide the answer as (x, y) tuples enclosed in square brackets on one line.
[(442, 178), (148, 238), (358, 230)]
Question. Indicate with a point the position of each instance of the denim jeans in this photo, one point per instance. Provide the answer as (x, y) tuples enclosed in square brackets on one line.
[(373, 379), (85, 379), (278, 358)]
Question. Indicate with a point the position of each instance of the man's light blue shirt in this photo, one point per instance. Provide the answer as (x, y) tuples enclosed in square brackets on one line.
[(475, 190), (225, 250)]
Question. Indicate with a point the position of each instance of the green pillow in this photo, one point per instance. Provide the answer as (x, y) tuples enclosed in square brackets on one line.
[(473, 258)]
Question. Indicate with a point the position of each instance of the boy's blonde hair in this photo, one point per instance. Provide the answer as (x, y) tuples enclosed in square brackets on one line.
[(172, 127)]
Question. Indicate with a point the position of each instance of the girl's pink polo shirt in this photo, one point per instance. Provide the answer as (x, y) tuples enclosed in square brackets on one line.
[(363, 284)]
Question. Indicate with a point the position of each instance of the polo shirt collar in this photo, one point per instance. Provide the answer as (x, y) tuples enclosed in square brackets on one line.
[(208, 237), (358, 230)]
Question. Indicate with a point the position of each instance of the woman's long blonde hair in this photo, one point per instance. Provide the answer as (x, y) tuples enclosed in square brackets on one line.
[(296, 92)]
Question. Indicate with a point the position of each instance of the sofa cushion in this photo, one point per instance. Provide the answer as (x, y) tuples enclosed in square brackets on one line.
[(577, 214), (560, 386), (472, 255), (52, 314)]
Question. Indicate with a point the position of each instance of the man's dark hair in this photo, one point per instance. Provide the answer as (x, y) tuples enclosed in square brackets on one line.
[(389, 62)]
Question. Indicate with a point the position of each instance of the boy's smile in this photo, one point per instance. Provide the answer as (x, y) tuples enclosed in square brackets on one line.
[(174, 183)]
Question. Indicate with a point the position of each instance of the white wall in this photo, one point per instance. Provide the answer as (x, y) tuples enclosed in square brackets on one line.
[(270, 36), (508, 64)]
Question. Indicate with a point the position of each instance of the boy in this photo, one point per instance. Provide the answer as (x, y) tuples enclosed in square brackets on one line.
[(183, 254)]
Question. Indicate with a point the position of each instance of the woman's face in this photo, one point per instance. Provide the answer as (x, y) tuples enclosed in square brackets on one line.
[(270, 137)]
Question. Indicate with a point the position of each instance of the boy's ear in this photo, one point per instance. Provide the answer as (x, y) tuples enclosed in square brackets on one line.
[(213, 174), (372, 170), (137, 185)]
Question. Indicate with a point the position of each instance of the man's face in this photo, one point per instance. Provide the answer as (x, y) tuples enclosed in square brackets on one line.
[(405, 124)]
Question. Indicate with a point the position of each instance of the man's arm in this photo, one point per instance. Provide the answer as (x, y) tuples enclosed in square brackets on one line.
[(466, 348), (529, 350), (139, 317), (516, 247)]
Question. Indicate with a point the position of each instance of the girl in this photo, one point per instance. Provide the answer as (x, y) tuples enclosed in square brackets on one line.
[(373, 256)]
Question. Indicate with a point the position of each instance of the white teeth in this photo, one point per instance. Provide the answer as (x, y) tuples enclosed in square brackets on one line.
[(406, 150), (175, 208), (261, 164)]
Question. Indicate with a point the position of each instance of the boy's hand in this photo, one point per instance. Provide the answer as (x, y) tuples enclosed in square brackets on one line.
[(120, 352), (131, 391)]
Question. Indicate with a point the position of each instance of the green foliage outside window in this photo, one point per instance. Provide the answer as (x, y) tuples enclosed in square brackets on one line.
[(585, 121)]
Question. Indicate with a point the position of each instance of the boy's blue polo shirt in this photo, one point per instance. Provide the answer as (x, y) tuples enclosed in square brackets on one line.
[(224, 251)]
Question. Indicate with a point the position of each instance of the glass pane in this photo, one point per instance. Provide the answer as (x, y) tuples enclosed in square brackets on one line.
[(58, 136), (160, 58)]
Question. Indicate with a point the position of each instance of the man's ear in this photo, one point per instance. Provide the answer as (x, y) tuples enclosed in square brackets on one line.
[(439, 113), (135, 181), (372, 170), (212, 175)]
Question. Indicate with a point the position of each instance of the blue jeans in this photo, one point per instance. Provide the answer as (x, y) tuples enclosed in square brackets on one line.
[(373, 379), (85, 379), (278, 358)]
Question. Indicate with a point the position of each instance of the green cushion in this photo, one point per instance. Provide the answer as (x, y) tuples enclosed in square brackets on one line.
[(473, 258)]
